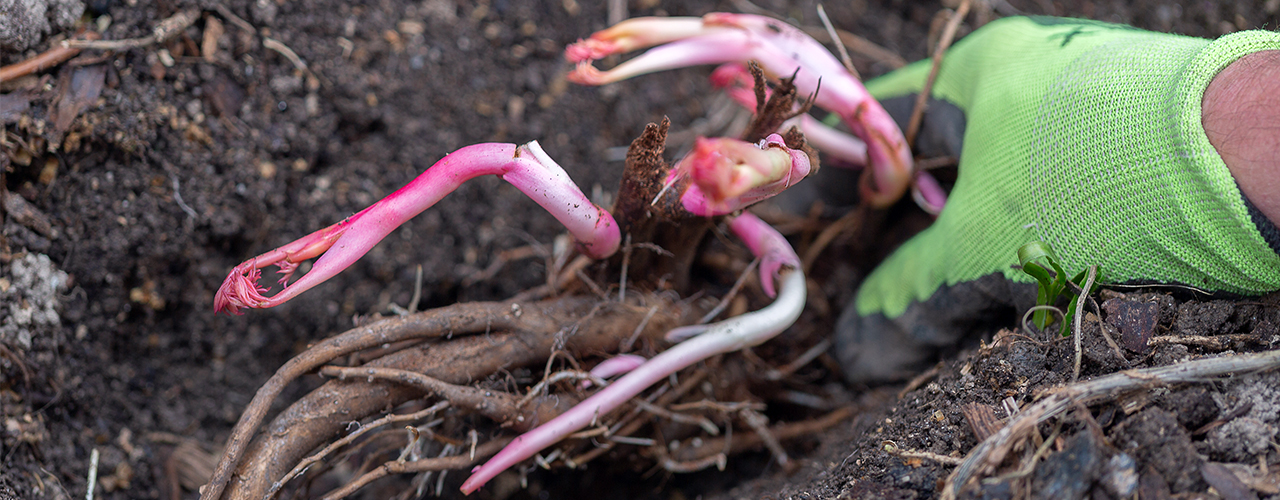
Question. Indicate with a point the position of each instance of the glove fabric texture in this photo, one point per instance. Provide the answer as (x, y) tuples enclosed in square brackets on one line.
[(1081, 134)]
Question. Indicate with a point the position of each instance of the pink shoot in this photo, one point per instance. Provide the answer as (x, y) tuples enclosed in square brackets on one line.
[(628, 36), (737, 82), (616, 365), (727, 175), (768, 244), (928, 194), (733, 334), (780, 49), (526, 167)]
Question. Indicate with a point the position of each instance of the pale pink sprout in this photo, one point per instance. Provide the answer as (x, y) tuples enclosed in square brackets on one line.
[(928, 194), (730, 335), (526, 167), (737, 82), (616, 365), (780, 50), (727, 175), (628, 36)]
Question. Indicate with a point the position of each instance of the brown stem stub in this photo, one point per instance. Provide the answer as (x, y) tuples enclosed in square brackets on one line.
[(650, 219), (644, 177), (778, 108), (514, 341)]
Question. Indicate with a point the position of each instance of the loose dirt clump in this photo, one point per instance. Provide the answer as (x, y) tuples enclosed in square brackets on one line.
[(1152, 436)]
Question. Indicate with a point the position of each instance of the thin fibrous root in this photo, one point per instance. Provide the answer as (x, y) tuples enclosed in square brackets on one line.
[(364, 429), (753, 441), (460, 318), (509, 335), (494, 405), (423, 465)]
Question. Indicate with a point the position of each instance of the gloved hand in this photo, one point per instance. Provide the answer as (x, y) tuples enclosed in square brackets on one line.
[(1086, 136)]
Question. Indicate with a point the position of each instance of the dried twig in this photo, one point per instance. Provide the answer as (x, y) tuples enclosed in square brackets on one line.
[(859, 45), (698, 420), (417, 290), (633, 441), (922, 100), (920, 379), (849, 222), (781, 432), (1084, 295), (730, 407), (1102, 328), (626, 262), (760, 424), (231, 16), (285, 51), (1217, 342), (719, 460), (92, 481), (733, 292), (45, 60), (835, 38), (167, 29), (892, 448), (17, 360), (805, 358), (991, 451)]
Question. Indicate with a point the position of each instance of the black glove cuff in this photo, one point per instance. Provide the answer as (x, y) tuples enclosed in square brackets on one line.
[(1270, 233)]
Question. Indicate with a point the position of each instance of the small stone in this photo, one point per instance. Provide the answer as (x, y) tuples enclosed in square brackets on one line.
[(1135, 320)]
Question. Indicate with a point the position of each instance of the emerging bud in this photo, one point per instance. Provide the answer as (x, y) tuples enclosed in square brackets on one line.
[(781, 50), (727, 175)]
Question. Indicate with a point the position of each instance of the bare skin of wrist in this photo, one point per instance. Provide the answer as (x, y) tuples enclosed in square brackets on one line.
[(1240, 112)]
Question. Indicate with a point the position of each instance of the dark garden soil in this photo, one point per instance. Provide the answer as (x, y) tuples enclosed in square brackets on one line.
[(137, 178)]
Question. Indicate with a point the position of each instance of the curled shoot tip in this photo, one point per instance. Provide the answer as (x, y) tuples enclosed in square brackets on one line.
[(526, 167), (727, 175)]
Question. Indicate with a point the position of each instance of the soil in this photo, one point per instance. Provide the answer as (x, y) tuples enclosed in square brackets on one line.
[(147, 174)]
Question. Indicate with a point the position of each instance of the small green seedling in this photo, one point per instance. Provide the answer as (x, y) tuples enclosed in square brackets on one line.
[(1052, 282)]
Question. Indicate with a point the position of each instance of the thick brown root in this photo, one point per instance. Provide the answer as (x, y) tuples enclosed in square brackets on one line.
[(508, 335)]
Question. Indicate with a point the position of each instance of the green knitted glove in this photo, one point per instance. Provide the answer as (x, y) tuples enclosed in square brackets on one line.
[(1080, 134)]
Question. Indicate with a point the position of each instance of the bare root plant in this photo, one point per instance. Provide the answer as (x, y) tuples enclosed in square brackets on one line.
[(524, 381), (448, 373)]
